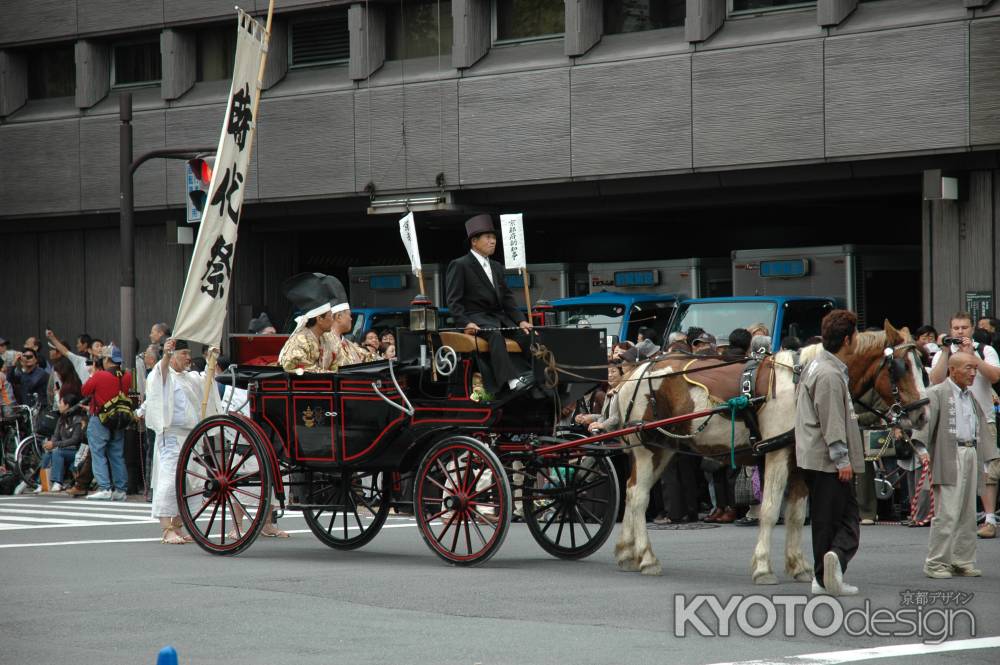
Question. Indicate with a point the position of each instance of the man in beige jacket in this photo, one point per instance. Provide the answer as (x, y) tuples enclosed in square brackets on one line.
[(828, 447), (958, 438)]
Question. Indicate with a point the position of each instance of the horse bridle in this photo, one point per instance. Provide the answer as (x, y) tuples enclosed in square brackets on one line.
[(896, 367)]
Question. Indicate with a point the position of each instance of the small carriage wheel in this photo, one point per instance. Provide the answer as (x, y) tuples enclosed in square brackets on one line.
[(347, 495), (27, 459), (223, 470), (462, 501), (570, 505)]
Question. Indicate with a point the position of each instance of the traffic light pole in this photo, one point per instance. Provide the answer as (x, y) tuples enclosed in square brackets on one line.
[(126, 169)]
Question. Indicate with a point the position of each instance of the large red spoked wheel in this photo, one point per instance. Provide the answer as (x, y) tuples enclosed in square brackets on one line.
[(349, 507), (224, 485), (462, 501)]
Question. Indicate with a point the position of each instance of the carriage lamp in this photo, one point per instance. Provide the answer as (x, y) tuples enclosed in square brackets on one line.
[(545, 313), (423, 314)]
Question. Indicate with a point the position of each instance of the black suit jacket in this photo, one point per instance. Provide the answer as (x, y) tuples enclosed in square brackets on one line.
[(470, 294)]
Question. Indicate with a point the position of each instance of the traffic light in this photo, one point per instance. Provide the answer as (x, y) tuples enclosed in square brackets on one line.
[(198, 177)]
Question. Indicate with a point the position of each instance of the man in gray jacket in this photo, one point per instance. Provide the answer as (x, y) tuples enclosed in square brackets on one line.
[(958, 438), (828, 447)]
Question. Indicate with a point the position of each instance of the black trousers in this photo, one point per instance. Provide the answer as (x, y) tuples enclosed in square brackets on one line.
[(836, 524), (501, 364), (680, 487)]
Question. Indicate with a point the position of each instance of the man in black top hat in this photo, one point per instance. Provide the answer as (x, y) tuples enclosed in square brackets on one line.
[(482, 303)]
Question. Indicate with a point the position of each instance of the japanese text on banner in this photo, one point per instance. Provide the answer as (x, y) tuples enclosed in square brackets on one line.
[(512, 227), (202, 312), (408, 232)]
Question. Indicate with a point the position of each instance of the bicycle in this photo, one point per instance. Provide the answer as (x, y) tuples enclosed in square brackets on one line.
[(22, 447)]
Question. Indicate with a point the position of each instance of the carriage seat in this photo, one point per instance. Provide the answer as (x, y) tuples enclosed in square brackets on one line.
[(463, 343)]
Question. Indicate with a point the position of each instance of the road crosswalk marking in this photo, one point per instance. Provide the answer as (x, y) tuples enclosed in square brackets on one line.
[(33, 512)]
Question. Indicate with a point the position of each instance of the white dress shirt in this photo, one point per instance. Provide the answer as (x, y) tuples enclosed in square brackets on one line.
[(485, 263)]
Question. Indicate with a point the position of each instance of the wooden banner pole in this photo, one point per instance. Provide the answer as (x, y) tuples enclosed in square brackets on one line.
[(527, 294), (420, 278)]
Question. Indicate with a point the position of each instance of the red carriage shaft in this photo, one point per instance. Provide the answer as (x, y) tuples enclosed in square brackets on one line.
[(633, 429)]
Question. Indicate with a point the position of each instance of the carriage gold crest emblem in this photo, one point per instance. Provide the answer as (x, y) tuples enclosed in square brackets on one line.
[(308, 417)]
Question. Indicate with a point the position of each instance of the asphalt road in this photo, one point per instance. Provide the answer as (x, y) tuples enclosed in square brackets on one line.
[(66, 597)]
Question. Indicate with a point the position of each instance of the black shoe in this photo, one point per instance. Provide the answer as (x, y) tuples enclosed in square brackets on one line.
[(747, 521), (525, 381)]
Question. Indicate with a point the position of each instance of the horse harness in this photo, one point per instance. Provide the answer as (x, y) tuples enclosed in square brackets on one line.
[(896, 367)]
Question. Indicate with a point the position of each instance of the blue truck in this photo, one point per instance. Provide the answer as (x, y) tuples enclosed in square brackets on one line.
[(799, 316)]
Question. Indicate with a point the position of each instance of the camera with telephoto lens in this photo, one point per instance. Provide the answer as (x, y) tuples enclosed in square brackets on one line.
[(948, 341)]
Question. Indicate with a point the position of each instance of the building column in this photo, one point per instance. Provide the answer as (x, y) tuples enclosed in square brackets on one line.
[(366, 24), (471, 36), (179, 52), (584, 25), (93, 72), (833, 12), (13, 81), (960, 239), (704, 18), (277, 54)]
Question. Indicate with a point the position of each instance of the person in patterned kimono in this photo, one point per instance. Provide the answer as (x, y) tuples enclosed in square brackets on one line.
[(346, 352), (310, 348)]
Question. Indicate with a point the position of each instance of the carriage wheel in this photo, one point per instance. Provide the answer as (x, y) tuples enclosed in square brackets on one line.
[(461, 499), (223, 472), (348, 495), (570, 505), (27, 459)]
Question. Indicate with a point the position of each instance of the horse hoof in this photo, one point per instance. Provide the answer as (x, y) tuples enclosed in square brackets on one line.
[(654, 569), (766, 578), (628, 565), (804, 576)]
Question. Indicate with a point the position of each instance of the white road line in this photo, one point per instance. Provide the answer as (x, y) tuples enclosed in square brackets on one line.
[(875, 653), (78, 525), (149, 540), (71, 513), (54, 521), (110, 505)]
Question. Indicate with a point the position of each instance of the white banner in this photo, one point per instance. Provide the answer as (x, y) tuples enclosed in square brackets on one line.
[(408, 232), (202, 312), (512, 227)]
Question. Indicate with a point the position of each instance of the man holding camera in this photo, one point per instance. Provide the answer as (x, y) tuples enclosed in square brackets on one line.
[(987, 366)]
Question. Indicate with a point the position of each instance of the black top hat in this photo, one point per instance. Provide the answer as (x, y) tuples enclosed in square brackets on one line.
[(479, 224)]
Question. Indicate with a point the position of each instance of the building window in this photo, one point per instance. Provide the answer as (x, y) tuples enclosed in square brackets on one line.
[(765, 5), (413, 29), (637, 15), (136, 63), (51, 72), (529, 19), (216, 53), (319, 39)]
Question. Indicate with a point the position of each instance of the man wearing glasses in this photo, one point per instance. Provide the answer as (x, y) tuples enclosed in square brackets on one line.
[(29, 379)]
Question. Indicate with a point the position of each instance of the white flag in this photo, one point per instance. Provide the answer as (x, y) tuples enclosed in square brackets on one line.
[(512, 227), (202, 312), (408, 232)]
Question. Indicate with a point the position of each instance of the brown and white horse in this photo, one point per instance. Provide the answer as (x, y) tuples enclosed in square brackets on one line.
[(661, 392)]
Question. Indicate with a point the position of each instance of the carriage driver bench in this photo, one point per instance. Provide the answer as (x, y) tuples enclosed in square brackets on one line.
[(463, 343)]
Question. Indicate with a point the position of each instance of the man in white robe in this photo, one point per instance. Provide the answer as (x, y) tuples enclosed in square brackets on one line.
[(172, 409)]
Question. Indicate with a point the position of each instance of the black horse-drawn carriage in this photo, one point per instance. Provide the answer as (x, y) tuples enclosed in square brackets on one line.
[(339, 447)]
